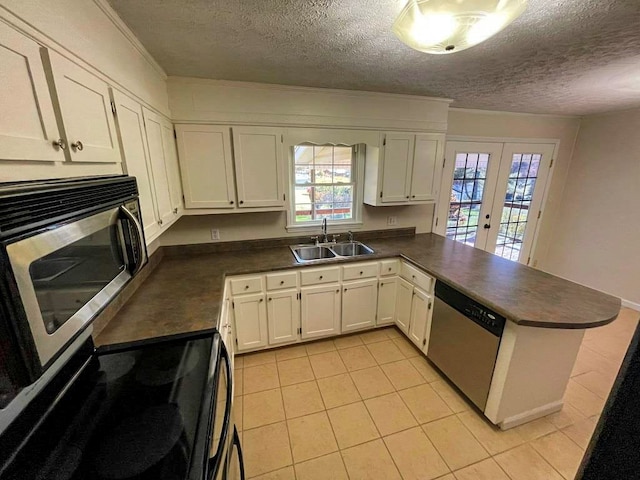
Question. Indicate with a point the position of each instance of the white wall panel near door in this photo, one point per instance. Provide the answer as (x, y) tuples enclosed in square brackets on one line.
[(84, 111), (27, 123)]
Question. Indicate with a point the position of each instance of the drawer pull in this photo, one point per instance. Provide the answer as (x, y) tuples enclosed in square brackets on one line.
[(246, 287), (321, 277), (389, 269), (281, 282), (345, 289), (361, 272), (338, 290), (270, 298)]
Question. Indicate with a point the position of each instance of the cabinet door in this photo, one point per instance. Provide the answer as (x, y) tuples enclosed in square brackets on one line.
[(320, 311), (420, 308), (153, 126), (27, 124), (403, 305), (171, 164), (283, 314), (258, 161), (427, 159), (359, 304), (387, 297), (396, 170), (85, 112), (133, 143), (206, 165), (251, 321)]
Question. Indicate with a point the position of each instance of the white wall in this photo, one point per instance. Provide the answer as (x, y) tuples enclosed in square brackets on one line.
[(596, 237), (515, 125)]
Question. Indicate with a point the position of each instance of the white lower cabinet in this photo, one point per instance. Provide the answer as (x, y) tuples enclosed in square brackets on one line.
[(420, 317), (283, 316), (320, 311), (250, 314), (359, 304), (403, 305), (387, 297)]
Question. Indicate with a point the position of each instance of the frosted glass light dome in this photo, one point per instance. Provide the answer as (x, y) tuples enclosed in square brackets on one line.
[(449, 26)]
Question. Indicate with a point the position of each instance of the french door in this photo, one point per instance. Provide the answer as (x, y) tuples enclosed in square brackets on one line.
[(492, 193)]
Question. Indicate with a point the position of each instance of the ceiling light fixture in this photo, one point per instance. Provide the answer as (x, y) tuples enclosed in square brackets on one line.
[(449, 26)]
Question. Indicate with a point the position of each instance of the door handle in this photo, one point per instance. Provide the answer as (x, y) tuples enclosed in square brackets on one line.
[(137, 229)]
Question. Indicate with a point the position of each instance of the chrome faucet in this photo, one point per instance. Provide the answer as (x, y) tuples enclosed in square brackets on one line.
[(325, 238), (350, 233)]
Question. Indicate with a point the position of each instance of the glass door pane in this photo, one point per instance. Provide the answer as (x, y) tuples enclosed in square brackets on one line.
[(472, 171), (521, 183)]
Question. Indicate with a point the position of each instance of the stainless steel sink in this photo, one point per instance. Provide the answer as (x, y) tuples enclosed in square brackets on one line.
[(308, 253), (311, 253), (351, 249)]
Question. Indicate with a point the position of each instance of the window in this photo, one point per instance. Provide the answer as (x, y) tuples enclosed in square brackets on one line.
[(324, 183)]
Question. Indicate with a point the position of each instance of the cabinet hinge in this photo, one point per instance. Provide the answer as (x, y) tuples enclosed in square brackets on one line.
[(444, 160), (300, 331), (528, 260), (281, 138), (380, 194), (233, 304), (437, 221), (551, 164), (113, 107), (539, 213), (236, 342), (175, 134), (429, 306), (424, 342), (284, 197), (384, 141)]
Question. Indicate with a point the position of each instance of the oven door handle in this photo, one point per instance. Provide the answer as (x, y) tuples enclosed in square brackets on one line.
[(139, 239), (217, 462)]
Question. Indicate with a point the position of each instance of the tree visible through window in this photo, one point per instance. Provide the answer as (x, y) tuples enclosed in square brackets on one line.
[(324, 182)]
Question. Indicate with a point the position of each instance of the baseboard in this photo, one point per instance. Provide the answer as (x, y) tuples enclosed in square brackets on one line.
[(530, 415), (631, 305)]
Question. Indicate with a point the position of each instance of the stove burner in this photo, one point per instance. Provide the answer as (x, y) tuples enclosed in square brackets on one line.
[(117, 366), (140, 442), (166, 366)]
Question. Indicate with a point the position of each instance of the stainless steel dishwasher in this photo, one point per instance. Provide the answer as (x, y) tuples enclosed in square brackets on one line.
[(464, 342)]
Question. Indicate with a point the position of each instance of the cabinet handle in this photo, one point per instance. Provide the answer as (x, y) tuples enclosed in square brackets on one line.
[(407, 196), (241, 202), (389, 269), (59, 144), (321, 277), (231, 202), (361, 272), (261, 300), (381, 284), (270, 298), (281, 282), (413, 196), (338, 290), (345, 289), (77, 146), (246, 286)]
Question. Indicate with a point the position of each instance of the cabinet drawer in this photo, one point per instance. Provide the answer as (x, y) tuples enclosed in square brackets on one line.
[(316, 276), (415, 276), (246, 285), (277, 281), (360, 270), (389, 267)]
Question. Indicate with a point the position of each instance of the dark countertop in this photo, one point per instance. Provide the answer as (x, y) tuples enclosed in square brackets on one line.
[(184, 293)]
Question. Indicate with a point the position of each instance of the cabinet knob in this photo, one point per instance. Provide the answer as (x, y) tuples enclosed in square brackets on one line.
[(246, 287), (261, 300), (389, 269), (270, 299), (77, 146), (361, 272), (160, 222), (321, 277), (338, 290), (231, 202), (59, 144), (281, 282), (241, 202), (345, 289), (413, 196), (407, 196)]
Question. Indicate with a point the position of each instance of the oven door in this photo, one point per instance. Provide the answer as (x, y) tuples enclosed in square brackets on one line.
[(66, 275), (222, 415)]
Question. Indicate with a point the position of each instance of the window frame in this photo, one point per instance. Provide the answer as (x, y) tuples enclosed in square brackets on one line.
[(357, 173)]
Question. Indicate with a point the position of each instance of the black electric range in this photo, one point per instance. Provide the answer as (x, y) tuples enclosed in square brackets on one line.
[(139, 412)]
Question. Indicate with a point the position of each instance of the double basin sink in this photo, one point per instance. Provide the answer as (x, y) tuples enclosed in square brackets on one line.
[(327, 251)]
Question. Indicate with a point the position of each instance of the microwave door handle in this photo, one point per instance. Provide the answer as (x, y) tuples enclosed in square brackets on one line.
[(139, 238), (215, 463)]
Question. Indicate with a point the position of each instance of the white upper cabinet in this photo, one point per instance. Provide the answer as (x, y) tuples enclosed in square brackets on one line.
[(258, 159), (84, 111), (133, 143), (171, 164), (159, 159), (228, 169), (206, 164), (28, 126), (405, 170)]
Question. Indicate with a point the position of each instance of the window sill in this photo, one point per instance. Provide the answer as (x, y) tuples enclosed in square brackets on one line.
[(333, 227)]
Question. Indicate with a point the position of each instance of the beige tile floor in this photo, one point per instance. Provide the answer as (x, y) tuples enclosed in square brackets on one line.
[(369, 406)]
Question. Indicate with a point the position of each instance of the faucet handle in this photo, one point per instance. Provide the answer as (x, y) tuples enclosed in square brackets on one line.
[(335, 237), (315, 239)]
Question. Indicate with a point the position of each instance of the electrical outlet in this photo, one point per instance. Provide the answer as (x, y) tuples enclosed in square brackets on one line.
[(215, 234), (392, 220)]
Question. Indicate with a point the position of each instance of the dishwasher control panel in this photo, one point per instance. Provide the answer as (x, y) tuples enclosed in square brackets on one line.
[(473, 310)]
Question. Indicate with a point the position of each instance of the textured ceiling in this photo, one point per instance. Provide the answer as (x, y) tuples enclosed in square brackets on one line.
[(560, 56)]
